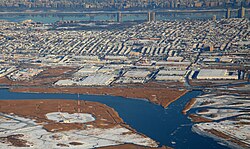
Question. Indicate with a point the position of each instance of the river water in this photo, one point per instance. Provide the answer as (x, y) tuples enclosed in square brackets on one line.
[(167, 126), (169, 16)]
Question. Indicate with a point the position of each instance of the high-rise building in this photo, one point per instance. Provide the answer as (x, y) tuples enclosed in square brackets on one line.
[(151, 16), (214, 18), (119, 16), (228, 13), (211, 47), (241, 12), (112, 2)]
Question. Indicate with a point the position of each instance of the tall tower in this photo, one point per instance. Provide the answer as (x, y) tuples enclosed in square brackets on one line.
[(78, 104), (151, 16), (228, 13), (241, 12), (113, 2), (214, 18), (211, 47), (119, 17)]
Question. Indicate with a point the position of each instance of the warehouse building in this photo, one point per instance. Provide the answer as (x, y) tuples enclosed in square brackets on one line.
[(215, 74)]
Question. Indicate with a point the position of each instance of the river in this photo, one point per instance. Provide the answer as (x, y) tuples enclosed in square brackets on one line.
[(167, 16), (167, 126)]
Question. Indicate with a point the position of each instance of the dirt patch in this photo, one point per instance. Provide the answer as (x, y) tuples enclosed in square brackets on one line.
[(15, 140), (75, 143), (188, 106), (62, 145), (37, 109), (153, 84), (46, 77), (203, 110), (198, 119), (213, 83), (227, 137), (207, 103)]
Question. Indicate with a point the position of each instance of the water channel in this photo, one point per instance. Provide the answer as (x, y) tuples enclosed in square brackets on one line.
[(167, 126), (166, 16)]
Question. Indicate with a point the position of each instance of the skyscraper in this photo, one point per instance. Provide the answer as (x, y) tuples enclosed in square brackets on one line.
[(228, 13), (151, 16), (119, 17), (214, 18), (241, 12)]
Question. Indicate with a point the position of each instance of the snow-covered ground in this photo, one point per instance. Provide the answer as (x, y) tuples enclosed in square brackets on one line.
[(231, 114), (220, 101), (39, 138), (70, 118), (217, 114), (229, 128), (217, 107)]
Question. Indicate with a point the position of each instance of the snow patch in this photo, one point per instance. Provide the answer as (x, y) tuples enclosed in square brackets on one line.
[(70, 118)]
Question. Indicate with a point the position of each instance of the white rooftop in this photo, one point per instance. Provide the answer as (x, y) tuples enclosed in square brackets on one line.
[(215, 74), (137, 73)]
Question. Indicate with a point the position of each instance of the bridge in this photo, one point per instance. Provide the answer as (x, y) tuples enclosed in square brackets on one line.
[(151, 14)]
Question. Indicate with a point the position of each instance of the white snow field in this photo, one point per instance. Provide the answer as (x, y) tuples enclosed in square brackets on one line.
[(38, 138), (70, 118)]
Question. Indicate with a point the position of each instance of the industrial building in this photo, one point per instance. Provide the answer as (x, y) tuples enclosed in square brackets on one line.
[(137, 74), (97, 80), (216, 74), (91, 80), (24, 74)]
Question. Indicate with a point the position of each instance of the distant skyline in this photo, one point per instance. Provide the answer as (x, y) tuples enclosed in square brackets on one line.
[(120, 4)]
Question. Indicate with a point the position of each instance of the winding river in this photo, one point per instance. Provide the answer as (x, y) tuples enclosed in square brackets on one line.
[(167, 126)]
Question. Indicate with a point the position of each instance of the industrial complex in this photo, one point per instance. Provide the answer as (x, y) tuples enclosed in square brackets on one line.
[(161, 51)]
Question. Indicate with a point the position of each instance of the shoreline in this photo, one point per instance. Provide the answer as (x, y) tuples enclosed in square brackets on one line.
[(223, 124), (189, 106), (132, 146), (186, 91), (105, 118), (160, 96), (58, 11), (217, 137), (164, 98), (198, 119)]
